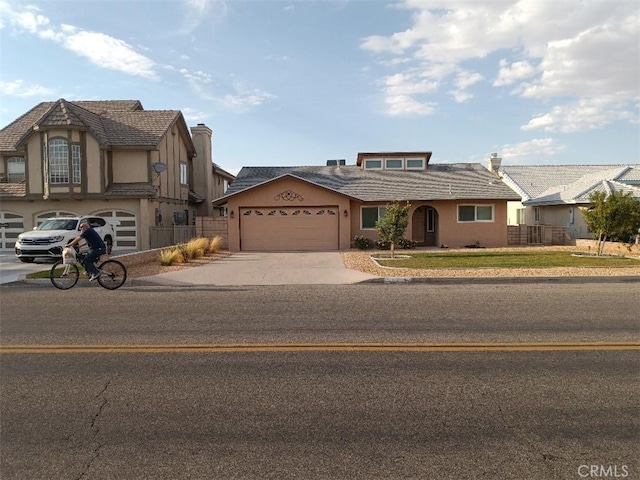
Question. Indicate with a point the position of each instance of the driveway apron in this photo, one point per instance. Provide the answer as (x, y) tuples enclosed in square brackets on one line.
[(266, 268)]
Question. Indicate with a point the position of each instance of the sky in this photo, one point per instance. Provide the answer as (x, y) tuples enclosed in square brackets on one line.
[(288, 83)]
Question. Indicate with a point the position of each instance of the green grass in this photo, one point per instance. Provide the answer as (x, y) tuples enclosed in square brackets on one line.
[(505, 260)]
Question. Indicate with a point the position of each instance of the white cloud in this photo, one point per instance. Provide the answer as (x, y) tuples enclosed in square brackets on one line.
[(100, 49), (551, 51), (584, 114), (514, 72), (532, 149), (404, 104), (110, 53), (17, 88)]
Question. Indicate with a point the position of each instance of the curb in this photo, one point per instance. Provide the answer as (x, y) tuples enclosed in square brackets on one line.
[(504, 280)]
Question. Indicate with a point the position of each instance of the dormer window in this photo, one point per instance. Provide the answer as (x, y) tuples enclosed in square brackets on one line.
[(394, 163), (373, 164), (415, 163)]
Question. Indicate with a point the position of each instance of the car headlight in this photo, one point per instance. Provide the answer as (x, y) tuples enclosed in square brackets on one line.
[(57, 238)]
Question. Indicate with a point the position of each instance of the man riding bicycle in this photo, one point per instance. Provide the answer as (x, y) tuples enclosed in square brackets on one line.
[(96, 248)]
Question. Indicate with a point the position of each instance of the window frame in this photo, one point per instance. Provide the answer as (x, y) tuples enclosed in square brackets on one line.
[(381, 209), (13, 177), (60, 163), (367, 161), (184, 173), (475, 212), (413, 159), (393, 159)]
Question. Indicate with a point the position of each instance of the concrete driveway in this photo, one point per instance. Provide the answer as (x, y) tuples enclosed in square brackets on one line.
[(263, 268)]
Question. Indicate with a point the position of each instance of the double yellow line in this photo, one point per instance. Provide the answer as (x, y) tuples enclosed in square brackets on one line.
[(318, 347)]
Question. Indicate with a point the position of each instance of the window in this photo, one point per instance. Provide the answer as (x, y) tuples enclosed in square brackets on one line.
[(521, 216), (59, 161), (370, 215), (373, 164), (15, 170), (415, 163), (184, 174), (394, 163), (475, 213), (536, 214), (431, 220)]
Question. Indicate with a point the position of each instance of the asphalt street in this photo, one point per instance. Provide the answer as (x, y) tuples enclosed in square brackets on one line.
[(339, 412)]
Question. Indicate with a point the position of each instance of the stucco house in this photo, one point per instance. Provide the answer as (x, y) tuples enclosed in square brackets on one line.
[(324, 207), (138, 168), (554, 195)]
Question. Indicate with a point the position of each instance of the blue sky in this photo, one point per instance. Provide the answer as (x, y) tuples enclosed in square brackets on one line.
[(300, 82)]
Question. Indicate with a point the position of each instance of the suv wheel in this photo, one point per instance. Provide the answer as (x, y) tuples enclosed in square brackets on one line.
[(108, 242), (27, 259)]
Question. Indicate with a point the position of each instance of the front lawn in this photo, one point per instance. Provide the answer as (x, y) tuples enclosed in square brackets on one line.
[(505, 260)]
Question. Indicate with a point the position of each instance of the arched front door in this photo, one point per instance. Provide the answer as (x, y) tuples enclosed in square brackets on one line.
[(425, 223)]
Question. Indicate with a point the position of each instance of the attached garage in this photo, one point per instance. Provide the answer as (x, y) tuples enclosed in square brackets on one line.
[(290, 228)]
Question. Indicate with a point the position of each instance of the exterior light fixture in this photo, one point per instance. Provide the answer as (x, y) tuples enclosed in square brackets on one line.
[(346, 214), (231, 214)]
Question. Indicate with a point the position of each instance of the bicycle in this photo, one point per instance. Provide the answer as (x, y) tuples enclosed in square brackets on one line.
[(64, 276)]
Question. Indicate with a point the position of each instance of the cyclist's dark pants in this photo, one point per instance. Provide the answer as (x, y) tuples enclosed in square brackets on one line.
[(90, 258)]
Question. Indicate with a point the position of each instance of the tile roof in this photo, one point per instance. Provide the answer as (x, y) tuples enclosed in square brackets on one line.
[(130, 190), (13, 190), (115, 124), (570, 184), (533, 180), (456, 181)]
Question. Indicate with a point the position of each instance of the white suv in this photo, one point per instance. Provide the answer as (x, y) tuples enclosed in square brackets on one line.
[(52, 235)]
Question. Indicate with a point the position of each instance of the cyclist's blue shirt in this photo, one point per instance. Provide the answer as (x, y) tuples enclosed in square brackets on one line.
[(93, 239)]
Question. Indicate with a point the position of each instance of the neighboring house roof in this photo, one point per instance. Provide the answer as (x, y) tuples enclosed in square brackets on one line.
[(458, 181), (222, 172), (115, 124), (533, 180), (130, 190), (569, 184), (13, 190)]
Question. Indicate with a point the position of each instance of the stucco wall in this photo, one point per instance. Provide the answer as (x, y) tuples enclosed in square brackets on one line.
[(305, 194), (130, 166), (449, 231)]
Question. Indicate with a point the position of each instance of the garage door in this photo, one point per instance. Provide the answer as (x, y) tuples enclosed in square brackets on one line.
[(11, 225), (289, 229), (125, 227)]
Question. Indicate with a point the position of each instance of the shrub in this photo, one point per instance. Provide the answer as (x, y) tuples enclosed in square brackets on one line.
[(196, 248), (171, 256), (216, 244), (402, 243), (362, 243)]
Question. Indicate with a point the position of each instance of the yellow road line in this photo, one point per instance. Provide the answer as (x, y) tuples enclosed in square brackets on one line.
[(319, 347)]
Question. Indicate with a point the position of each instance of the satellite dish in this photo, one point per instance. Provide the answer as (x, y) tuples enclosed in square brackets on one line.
[(159, 167)]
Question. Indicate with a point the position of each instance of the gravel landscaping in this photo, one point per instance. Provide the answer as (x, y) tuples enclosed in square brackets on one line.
[(362, 261)]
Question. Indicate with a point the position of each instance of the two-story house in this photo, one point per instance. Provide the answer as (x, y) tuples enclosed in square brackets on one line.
[(138, 168), (325, 207)]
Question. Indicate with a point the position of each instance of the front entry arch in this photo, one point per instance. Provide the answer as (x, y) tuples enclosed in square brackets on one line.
[(425, 226)]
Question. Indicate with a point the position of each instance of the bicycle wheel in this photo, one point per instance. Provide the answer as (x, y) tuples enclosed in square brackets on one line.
[(113, 274), (64, 276)]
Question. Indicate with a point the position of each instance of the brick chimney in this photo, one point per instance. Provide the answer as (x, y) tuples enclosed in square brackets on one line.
[(202, 174)]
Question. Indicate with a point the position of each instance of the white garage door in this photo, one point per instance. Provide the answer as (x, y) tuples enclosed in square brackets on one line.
[(124, 225), (289, 229), (11, 225)]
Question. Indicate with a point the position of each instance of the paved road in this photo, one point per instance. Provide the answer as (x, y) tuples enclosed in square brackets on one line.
[(330, 413)]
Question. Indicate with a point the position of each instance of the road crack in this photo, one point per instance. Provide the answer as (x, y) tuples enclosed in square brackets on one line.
[(95, 429)]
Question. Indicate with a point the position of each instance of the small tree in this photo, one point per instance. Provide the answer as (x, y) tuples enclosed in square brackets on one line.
[(392, 225), (615, 216)]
